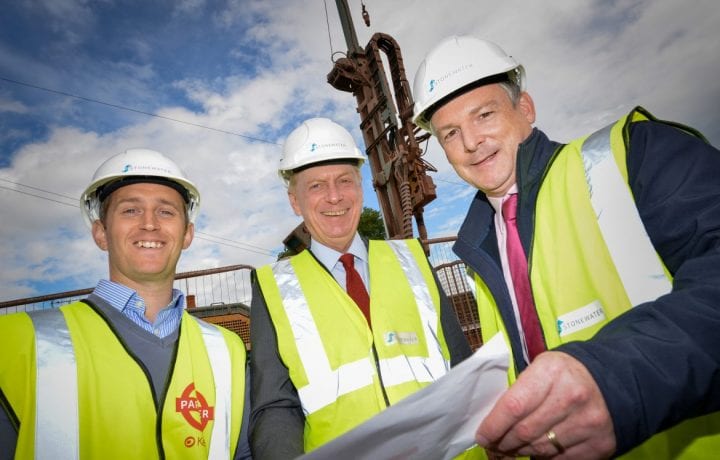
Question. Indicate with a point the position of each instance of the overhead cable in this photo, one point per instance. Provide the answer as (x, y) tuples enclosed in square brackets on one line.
[(130, 109)]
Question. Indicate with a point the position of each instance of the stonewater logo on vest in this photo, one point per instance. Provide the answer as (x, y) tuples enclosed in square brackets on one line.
[(403, 338), (581, 318)]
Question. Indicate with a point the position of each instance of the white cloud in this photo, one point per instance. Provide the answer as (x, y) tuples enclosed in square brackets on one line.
[(588, 62)]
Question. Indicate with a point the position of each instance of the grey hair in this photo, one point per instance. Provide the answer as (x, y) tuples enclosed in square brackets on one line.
[(513, 91)]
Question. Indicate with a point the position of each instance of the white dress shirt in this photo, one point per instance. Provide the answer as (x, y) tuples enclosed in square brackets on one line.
[(501, 232), (330, 259)]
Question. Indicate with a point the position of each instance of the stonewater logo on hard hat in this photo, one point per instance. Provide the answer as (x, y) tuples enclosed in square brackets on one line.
[(145, 168), (435, 82), (315, 146), (194, 408)]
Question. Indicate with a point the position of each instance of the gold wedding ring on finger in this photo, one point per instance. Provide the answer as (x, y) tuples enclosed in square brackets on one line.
[(550, 435)]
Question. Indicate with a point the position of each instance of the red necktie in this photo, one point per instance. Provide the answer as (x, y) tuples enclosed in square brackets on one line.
[(521, 280), (355, 286)]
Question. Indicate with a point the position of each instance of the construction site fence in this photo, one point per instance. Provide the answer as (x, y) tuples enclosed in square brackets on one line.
[(231, 285), (203, 288)]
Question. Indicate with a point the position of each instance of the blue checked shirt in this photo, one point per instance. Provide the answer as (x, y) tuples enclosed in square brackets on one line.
[(130, 304)]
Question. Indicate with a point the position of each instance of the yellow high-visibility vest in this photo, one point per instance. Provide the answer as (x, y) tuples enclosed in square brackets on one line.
[(78, 393), (345, 372), (607, 268)]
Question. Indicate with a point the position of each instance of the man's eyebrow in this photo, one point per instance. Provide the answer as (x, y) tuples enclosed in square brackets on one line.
[(491, 104), (139, 199)]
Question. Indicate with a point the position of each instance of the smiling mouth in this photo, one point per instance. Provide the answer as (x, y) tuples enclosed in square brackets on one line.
[(483, 160), (334, 213), (149, 244)]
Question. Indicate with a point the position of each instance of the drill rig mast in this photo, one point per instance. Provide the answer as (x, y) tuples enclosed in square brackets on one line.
[(392, 144)]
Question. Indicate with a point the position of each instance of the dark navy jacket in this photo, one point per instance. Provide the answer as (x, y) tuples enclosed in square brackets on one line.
[(659, 363)]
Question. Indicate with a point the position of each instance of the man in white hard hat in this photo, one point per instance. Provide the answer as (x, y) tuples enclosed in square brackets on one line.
[(127, 372), (325, 356), (605, 250)]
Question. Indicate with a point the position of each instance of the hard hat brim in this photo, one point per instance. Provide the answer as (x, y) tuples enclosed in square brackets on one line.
[(492, 79), (337, 161), (105, 191)]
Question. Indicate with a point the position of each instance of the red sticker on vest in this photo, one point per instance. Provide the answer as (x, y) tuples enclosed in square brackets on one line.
[(194, 408)]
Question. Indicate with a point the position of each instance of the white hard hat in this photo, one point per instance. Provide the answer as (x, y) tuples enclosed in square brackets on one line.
[(317, 140), (457, 62), (134, 166)]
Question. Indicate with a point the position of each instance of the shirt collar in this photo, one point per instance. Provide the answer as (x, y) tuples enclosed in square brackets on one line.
[(121, 297), (329, 257), (497, 201)]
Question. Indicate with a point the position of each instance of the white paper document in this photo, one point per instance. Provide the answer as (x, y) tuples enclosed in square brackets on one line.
[(437, 422)]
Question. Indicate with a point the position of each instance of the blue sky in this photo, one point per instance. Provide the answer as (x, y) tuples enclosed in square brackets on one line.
[(249, 71)]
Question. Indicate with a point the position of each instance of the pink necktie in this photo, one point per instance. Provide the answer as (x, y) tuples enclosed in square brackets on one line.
[(355, 286), (521, 280)]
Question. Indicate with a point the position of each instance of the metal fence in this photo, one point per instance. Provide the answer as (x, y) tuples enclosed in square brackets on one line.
[(458, 287), (216, 293), (203, 288)]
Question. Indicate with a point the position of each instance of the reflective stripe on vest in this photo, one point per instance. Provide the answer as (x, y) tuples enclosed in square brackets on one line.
[(321, 389), (56, 393), (325, 385), (629, 245), (422, 369), (57, 423), (219, 356)]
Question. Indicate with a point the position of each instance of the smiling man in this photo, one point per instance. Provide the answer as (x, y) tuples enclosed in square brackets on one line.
[(342, 330), (127, 372), (605, 251)]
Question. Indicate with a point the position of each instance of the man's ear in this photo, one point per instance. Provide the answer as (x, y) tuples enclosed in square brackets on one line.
[(527, 107), (189, 234), (99, 235), (294, 203)]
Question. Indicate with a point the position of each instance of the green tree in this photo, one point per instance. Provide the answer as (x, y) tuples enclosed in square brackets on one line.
[(371, 225)]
